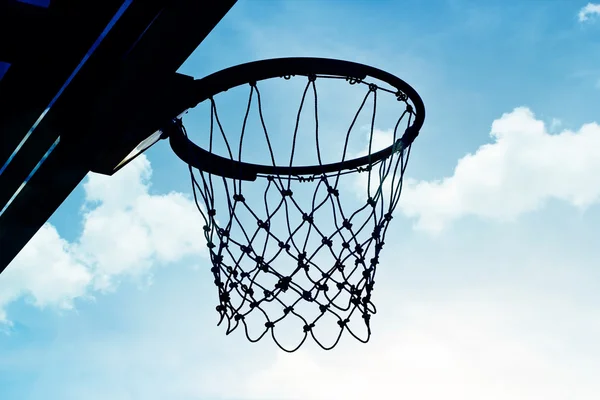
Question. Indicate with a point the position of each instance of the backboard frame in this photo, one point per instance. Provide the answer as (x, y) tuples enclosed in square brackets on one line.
[(147, 42)]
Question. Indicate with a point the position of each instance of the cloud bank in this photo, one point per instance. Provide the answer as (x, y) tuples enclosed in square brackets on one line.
[(126, 231), (523, 168), (514, 336)]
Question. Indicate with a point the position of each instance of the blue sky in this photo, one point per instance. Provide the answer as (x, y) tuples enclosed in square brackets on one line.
[(490, 287)]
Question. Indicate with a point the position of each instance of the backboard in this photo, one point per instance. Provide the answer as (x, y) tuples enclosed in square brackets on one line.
[(84, 65)]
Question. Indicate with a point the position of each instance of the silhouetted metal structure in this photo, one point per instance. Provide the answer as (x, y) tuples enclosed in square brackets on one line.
[(93, 79), (91, 85)]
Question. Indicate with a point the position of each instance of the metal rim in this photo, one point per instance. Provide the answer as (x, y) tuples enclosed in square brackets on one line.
[(238, 75)]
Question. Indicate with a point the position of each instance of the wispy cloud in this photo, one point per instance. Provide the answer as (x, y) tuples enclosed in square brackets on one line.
[(588, 12)]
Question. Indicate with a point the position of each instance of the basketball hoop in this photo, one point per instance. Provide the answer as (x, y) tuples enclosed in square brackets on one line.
[(271, 269)]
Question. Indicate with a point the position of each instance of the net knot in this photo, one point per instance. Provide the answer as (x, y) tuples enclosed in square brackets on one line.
[(308, 328), (343, 322), (239, 197), (283, 245), (303, 265), (376, 232), (284, 283), (352, 80), (307, 218), (248, 290), (333, 192), (327, 242), (288, 310), (347, 224), (286, 193), (264, 225), (401, 96), (269, 325), (212, 212), (367, 317), (222, 232)]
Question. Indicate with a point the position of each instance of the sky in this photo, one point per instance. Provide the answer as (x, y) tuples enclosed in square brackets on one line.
[(486, 289)]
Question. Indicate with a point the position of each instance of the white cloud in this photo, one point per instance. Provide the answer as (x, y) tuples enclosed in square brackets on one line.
[(523, 168), (46, 272), (141, 229), (465, 342), (458, 350), (466, 345), (434, 337), (590, 10), (126, 231)]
